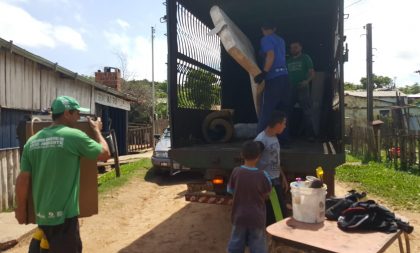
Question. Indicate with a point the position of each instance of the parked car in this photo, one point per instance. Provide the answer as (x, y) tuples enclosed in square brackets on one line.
[(160, 157)]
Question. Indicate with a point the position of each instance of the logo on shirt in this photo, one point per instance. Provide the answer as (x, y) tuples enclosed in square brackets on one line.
[(44, 143)]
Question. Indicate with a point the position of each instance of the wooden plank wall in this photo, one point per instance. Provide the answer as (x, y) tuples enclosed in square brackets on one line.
[(26, 85), (9, 169)]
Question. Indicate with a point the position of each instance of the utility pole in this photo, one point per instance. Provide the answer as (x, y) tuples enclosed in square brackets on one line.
[(369, 73), (153, 81)]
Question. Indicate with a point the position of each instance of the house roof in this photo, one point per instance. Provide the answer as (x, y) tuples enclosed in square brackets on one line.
[(414, 95), (376, 93), (22, 52)]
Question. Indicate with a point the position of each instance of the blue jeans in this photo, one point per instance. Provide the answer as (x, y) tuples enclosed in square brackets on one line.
[(243, 236), (276, 97)]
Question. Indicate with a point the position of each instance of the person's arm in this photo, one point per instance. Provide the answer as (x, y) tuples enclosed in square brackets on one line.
[(23, 182), (269, 60), (97, 135), (284, 183), (231, 184), (311, 71)]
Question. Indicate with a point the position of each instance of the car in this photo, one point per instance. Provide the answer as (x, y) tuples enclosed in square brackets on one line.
[(160, 158)]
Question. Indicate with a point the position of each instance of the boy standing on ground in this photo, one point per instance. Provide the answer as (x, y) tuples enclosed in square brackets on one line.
[(270, 163), (250, 188)]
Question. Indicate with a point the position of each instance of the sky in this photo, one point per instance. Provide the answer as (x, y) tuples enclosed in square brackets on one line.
[(87, 35)]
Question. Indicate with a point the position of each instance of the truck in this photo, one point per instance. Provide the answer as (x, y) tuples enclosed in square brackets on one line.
[(203, 78)]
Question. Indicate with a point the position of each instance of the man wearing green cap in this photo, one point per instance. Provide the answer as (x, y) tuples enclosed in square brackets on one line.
[(50, 163)]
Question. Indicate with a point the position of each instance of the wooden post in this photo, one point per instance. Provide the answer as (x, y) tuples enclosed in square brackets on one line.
[(10, 168), (3, 181)]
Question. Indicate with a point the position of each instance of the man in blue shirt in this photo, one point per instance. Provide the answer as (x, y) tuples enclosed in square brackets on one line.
[(274, 73)]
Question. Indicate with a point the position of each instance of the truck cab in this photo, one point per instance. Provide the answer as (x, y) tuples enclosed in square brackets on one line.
[(203, 78)]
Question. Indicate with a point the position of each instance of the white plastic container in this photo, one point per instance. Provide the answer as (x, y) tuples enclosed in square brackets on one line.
[(308, 203)]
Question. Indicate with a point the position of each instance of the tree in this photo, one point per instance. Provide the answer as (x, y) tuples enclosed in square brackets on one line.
[(200, 90), (352, 86), (378, 82), (142, 90), (411, 89)]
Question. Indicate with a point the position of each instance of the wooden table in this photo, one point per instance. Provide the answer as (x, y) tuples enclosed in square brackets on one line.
[(290, 235)]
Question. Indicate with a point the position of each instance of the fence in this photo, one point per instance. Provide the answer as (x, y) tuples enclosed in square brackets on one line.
[(160, 125), (398, 146), (9, 169), (140, 138)]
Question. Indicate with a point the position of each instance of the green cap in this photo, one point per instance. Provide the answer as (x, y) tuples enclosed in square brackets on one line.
[(60, 104)]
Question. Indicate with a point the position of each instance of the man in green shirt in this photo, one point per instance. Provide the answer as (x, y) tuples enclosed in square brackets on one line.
[(301, 73), (50, 164)]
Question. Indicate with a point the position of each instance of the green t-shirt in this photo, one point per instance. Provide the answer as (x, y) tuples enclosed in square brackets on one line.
[(299, 68), (52, 156)]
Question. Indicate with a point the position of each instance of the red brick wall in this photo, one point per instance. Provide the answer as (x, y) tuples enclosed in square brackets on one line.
[(111, 79)]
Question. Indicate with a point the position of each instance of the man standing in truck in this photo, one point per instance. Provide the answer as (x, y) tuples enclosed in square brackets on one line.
[(274, 73), (270, 163), (301, 73)]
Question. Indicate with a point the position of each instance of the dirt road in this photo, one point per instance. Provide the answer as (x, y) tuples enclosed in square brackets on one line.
[(149, 217)]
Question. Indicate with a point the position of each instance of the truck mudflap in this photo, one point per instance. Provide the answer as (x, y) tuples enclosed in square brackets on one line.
[(203, 193)]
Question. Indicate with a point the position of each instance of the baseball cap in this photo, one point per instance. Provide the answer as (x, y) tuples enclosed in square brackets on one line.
[(62, 103)]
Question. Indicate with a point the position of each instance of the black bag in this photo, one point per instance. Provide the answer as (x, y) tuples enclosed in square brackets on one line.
[(369, 216), (335, 206)]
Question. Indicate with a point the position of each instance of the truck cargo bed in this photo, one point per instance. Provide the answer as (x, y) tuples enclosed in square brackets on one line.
[(227, 155)]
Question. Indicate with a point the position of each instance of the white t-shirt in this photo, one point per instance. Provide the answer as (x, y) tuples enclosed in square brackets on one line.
[(270, 158)]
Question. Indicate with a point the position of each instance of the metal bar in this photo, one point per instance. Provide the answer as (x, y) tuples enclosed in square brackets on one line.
[(369, 73), (198, 64)]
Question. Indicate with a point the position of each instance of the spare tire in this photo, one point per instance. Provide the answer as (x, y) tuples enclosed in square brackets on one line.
[(218, 127)]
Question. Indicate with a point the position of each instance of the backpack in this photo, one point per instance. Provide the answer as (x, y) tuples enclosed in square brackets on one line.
[(370, 216)]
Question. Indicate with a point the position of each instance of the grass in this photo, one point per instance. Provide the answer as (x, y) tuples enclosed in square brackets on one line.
[(108, 181), (352, 159), (398, 188)]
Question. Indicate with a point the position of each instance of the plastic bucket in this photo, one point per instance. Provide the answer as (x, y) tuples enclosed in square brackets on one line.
[(308, 203)]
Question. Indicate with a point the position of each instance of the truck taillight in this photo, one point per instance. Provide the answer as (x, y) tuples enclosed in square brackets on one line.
[(218, 181)]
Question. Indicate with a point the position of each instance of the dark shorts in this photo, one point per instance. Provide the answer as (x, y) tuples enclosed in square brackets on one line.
[(64, 238)]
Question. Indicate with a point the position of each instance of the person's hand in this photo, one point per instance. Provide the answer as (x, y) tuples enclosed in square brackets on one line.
[(20, 215), (260, 77), (284, 183), (96, 125)]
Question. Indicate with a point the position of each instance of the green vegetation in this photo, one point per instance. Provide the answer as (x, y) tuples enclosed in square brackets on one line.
[(413, 89), (137, 169), (200, 90), (398, 188), (142, 90), (352, 159)]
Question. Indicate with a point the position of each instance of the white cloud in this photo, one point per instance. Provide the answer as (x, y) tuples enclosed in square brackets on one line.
[(119, 42), (395, 39), (18, 25), (123, 24), (67, 35)]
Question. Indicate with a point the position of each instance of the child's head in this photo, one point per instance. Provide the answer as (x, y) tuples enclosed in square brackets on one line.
[(277, 122), (251, 150)]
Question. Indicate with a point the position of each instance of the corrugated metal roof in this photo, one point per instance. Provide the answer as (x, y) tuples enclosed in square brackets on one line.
[(376, 93), (22, 52), (414, 95)]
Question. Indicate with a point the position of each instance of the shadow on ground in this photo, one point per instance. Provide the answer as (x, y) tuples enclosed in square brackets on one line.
[(194, 228), (164, 179)]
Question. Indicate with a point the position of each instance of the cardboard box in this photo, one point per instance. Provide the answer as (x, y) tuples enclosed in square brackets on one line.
[(88, 198)]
